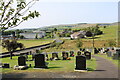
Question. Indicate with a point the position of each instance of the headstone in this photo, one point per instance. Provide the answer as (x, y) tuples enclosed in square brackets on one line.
[(80, 49), (40, 61), (64, 55), (78, 53), (116, 56), (88, 55), (80, 63), (54, 55), (71, 53), (21, 61), (96, 51), (109, 54), (6, 65)]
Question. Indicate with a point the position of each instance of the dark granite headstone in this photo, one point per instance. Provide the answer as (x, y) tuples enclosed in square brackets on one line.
[(87, 54), (6, 65), (40, 61), (21, 61), (78, 53), (96, 51), (64, 55), (71, 53), (80, 63)]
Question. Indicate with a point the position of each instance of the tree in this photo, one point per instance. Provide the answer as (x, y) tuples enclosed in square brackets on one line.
[(79, 43), (11, 46), (14, 12)]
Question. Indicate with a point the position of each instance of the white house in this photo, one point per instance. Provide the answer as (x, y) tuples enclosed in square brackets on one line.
[(80, 34)]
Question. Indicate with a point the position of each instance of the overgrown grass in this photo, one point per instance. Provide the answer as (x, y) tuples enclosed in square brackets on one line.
[(53, 66)]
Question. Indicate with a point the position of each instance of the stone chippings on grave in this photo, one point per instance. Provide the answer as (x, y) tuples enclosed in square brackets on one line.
[(80, 63), (21, 61), (71, 53), (88, 55), (40, 61)]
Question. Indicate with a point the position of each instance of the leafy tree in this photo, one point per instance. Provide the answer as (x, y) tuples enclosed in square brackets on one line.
[(14, 12), (11, 46)]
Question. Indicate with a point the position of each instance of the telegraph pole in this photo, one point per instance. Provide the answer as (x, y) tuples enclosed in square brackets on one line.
[(93, 42)]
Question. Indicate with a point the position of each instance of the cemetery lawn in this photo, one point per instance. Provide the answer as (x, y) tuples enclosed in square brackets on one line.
[(31, 42), (53, 66), (108, 58)]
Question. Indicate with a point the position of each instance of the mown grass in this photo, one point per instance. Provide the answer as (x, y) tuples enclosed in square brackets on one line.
[(53, 66), (31, 43), (110, 59)]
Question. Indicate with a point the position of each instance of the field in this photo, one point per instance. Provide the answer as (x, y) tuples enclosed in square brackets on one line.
[(30, 43)]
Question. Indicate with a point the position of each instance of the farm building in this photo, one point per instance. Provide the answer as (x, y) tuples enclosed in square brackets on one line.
[(80, 34), (32, 35)]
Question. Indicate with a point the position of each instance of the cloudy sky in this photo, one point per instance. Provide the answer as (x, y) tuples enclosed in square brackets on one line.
[(54, 12)]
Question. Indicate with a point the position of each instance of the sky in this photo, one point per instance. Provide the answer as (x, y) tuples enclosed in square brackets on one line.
[(69, 12)]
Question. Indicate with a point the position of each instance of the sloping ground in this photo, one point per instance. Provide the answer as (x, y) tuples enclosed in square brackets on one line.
[(105, 69)]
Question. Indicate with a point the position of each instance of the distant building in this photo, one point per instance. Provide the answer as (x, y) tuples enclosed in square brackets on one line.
[(80, 34), (4, 37), (32, 35)]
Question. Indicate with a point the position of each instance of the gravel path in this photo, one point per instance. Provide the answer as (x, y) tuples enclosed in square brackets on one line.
[(105, 69)]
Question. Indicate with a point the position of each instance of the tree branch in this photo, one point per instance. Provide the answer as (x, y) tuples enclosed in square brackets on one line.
[(5, 8), (16, 14)]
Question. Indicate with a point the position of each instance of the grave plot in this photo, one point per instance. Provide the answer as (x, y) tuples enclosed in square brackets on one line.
[(40, 61), (80, 63)]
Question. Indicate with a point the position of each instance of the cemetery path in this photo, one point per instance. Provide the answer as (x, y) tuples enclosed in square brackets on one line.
[(105, 69)]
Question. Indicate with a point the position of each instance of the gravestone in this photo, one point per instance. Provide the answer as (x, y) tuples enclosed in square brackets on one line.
[(65, 55), (95, 51), (54, 55), (6, 65), (116, 56), (40, 61), (80, 63), (88, 55), (71, 53), (78, 53), (21, 61), (80, 49), (109, 54)]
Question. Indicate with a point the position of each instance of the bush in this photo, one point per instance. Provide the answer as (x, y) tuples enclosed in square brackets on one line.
[(79, 43)]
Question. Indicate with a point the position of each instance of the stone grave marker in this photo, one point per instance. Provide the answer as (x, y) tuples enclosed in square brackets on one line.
[(109, 54), (21, 61), (116, 56), (71, 53), (6, 65), (80, 63), (40, 61), (88, 55), (65, 55), (54, 55), (78, 53)]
